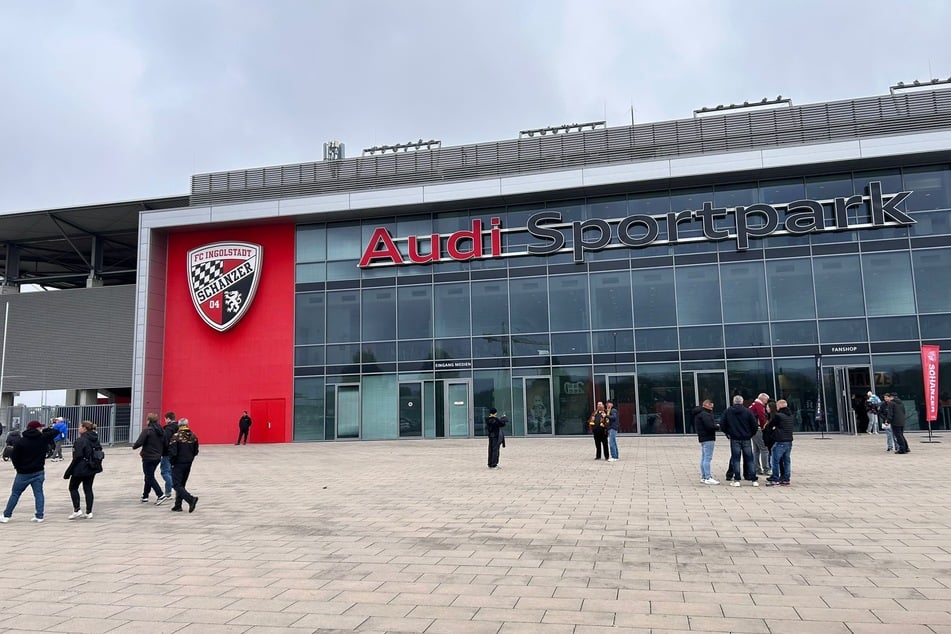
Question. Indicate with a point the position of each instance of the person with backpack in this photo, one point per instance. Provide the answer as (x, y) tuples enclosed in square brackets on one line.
[(152, 442), (86, 463), (29, 459), (182, 451)]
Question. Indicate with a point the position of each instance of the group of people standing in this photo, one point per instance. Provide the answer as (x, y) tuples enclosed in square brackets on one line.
[(760, 435), (29, 453), (891, 415), (174, 446)]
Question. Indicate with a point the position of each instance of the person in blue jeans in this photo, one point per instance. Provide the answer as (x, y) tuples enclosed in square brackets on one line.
[(29, 460), (706, 427), (782, 424), (165, 466), (614, 426)]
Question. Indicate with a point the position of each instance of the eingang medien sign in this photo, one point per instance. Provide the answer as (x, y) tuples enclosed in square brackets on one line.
[(759, 220)]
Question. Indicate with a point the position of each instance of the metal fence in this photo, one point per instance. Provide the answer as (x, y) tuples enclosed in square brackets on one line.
[(112, 421)]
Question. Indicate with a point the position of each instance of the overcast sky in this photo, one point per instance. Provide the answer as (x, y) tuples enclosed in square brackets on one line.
[(120, 100)]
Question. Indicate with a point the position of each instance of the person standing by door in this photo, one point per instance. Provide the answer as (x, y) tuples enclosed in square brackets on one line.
[(895, 413), (244, 426), (614, 426), (873, 405), (597, 423)]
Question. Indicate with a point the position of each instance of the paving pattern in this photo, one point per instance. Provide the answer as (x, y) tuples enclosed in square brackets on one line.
[(419, 536)]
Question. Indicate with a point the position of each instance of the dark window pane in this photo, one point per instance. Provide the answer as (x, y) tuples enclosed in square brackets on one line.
[(784, 275), (571, 343), (930, 187), (653, 339), (613, 341), (383, 351), (888, 286), (490, 307), (893, 328), (842, 331), (530, 345), (611, 300), (309, 355), (787, 333), (744, 292), (379, 305), (311, 243), (452, 310), (698, 295), (343, 316), (344, 241), (309, 318), (654, 298), (932, 267), (569, 302), (839, 286), (415, 312), (731, 196), (490, 347), (747, 335), (701, 337), (608, 208), (343, 354), (935, 327), (419, 350), (529, 301), (453, 348), (782, 191), (650, 204)]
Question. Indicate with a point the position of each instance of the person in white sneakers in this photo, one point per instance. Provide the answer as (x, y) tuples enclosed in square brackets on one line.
[(86, 463), (29, 459), (706, 428)]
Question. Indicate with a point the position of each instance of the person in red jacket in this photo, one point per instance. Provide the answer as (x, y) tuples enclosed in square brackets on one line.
[(760, 451)]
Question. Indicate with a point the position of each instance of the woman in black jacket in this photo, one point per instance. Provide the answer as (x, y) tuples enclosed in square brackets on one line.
[(83, 468), (181, 452), (152, 442)]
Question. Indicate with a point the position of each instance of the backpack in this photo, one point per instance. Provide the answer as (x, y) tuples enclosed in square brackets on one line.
[(95, 460), (12, 437)]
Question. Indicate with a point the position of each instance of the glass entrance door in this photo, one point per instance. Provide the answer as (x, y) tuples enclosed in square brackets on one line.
[(348, 411), (538, 408), (411, 409), (852, 383), (700, 385), (458, 410), (622, 390)]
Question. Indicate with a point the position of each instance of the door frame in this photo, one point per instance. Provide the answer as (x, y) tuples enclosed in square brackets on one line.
[(688, 425), (448, 405), (848, 423), (608, 396), (526, 405), (337, 387)]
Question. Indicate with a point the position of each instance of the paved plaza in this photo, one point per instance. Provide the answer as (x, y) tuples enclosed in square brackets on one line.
[(419, 536)]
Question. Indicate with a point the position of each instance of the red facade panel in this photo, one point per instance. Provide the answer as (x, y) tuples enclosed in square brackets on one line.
[(211, 377)]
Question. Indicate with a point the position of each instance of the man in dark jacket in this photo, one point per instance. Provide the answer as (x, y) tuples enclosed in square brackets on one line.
[(739, 425), (493, 429), (165, 467), (614, 426), (152, 442), (29, 460), (182, 451), (895, 414), (781, 426), (244, 426), (706, 428)]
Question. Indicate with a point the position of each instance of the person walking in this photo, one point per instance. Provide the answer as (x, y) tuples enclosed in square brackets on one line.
[(873, 406), (29, 460), (706, 428), (493, 429), (613, 427), (781, 427), (152, 443), (182, 451), (895, 413), (62, 428), (244, 426), (760, 450), (83, 468), (165, 466), (740, 425), (597, 423)]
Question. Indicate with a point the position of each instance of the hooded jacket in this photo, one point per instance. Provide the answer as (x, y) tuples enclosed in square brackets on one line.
[(152, 441), (782, 424), (704, 424), (29, 453), (82, 453), (739, 423), (895, 412), (184, 446)]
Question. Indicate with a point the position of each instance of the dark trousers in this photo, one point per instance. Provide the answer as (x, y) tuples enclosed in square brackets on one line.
[(180, 473), (494, 443), (242, 434), (901, 445), (601, 441), (74, 483), (151, 484), (744, 449)]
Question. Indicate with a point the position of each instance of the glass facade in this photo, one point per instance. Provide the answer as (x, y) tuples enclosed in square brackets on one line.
[(424, 350)]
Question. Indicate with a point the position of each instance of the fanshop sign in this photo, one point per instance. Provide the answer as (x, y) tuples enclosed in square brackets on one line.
[(223, 278), (741, 224)]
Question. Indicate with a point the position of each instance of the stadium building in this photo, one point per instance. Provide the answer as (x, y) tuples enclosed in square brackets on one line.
[(401, 294)]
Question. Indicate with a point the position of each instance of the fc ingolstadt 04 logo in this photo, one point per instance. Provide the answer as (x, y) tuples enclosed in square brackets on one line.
[(223, 279)]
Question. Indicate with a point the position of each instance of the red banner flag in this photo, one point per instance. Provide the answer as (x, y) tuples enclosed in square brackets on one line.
[(929, 368)]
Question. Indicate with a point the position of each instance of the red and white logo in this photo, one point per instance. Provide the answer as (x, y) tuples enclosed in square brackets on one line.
[(223, 279)]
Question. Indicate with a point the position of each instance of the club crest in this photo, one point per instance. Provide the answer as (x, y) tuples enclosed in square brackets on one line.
[(223, 278)]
